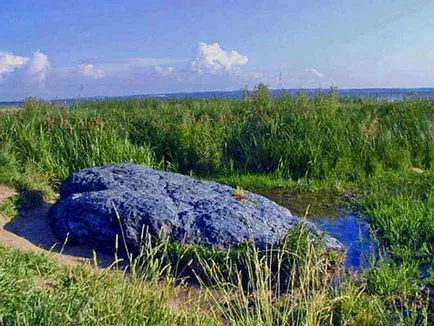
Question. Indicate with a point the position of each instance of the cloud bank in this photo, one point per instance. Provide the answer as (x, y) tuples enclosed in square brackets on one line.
[(212, 67)]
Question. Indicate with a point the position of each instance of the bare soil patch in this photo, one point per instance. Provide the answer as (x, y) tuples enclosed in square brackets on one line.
[(5, 193)]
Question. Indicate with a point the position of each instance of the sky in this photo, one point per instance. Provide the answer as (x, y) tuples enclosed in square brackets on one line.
[(78, 48)]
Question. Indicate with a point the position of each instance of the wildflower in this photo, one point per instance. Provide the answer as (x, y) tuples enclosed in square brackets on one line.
[(239, 194)]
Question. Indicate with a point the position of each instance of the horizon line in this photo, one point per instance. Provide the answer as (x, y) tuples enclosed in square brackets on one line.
[(213, 91)]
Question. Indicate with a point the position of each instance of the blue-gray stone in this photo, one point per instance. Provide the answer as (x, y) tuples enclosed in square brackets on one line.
[(97, 203)]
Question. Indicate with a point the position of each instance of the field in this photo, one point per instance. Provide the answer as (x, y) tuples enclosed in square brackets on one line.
[(379, 154)]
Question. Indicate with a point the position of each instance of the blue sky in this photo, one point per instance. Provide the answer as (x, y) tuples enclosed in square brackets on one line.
[(57, 49)]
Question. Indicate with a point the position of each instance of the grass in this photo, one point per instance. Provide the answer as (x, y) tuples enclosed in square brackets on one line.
[(401, 208), (38, 290), (320, 138), (9, 208), (380, 152)]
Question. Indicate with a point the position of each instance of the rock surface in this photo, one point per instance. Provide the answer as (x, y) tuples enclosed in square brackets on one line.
[(188, 210)]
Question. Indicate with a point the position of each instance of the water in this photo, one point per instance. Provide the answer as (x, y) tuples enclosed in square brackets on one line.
[(390, 94), (328, 212), (353, 231)]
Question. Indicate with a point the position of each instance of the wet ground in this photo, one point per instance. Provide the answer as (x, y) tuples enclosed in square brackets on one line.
[(331, 214), (327, 210)]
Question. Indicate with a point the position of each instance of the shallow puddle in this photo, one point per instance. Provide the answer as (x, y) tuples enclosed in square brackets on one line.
[(329, 213)]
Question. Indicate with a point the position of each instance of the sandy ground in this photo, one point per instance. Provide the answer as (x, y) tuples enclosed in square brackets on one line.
[(5, 193), (30, 231)]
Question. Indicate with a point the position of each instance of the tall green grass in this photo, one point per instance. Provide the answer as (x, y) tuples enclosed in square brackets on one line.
[(38, 290), (365, 146), (56, 142), (292, 136), (290, 141), (401, 209)]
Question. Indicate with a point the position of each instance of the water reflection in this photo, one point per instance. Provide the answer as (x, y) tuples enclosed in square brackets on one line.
[(328, 212)]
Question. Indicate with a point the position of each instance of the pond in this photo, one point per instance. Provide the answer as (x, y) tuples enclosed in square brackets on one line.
[(329, 212)]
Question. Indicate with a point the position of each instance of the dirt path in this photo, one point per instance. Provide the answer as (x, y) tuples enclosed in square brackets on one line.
[(30, 231)]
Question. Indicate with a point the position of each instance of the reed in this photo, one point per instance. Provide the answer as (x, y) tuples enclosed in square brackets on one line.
[(294, 137), (383, 152)]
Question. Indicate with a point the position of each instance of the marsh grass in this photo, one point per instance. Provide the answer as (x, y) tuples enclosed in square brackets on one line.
[(38, 290), (292, 137), (379, 150), (401, 210), (9, 208)]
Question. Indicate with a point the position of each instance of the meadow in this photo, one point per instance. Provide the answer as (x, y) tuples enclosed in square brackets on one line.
[(380, 153)]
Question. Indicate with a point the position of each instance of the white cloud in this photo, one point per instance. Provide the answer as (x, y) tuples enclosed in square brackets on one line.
[(135, 64), (89, 70), (10, 62), (165, 71), (315, 73), (213, 59), (39, 66)]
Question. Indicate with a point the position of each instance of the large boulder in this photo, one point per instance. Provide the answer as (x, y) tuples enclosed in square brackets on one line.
[(97, 203)]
